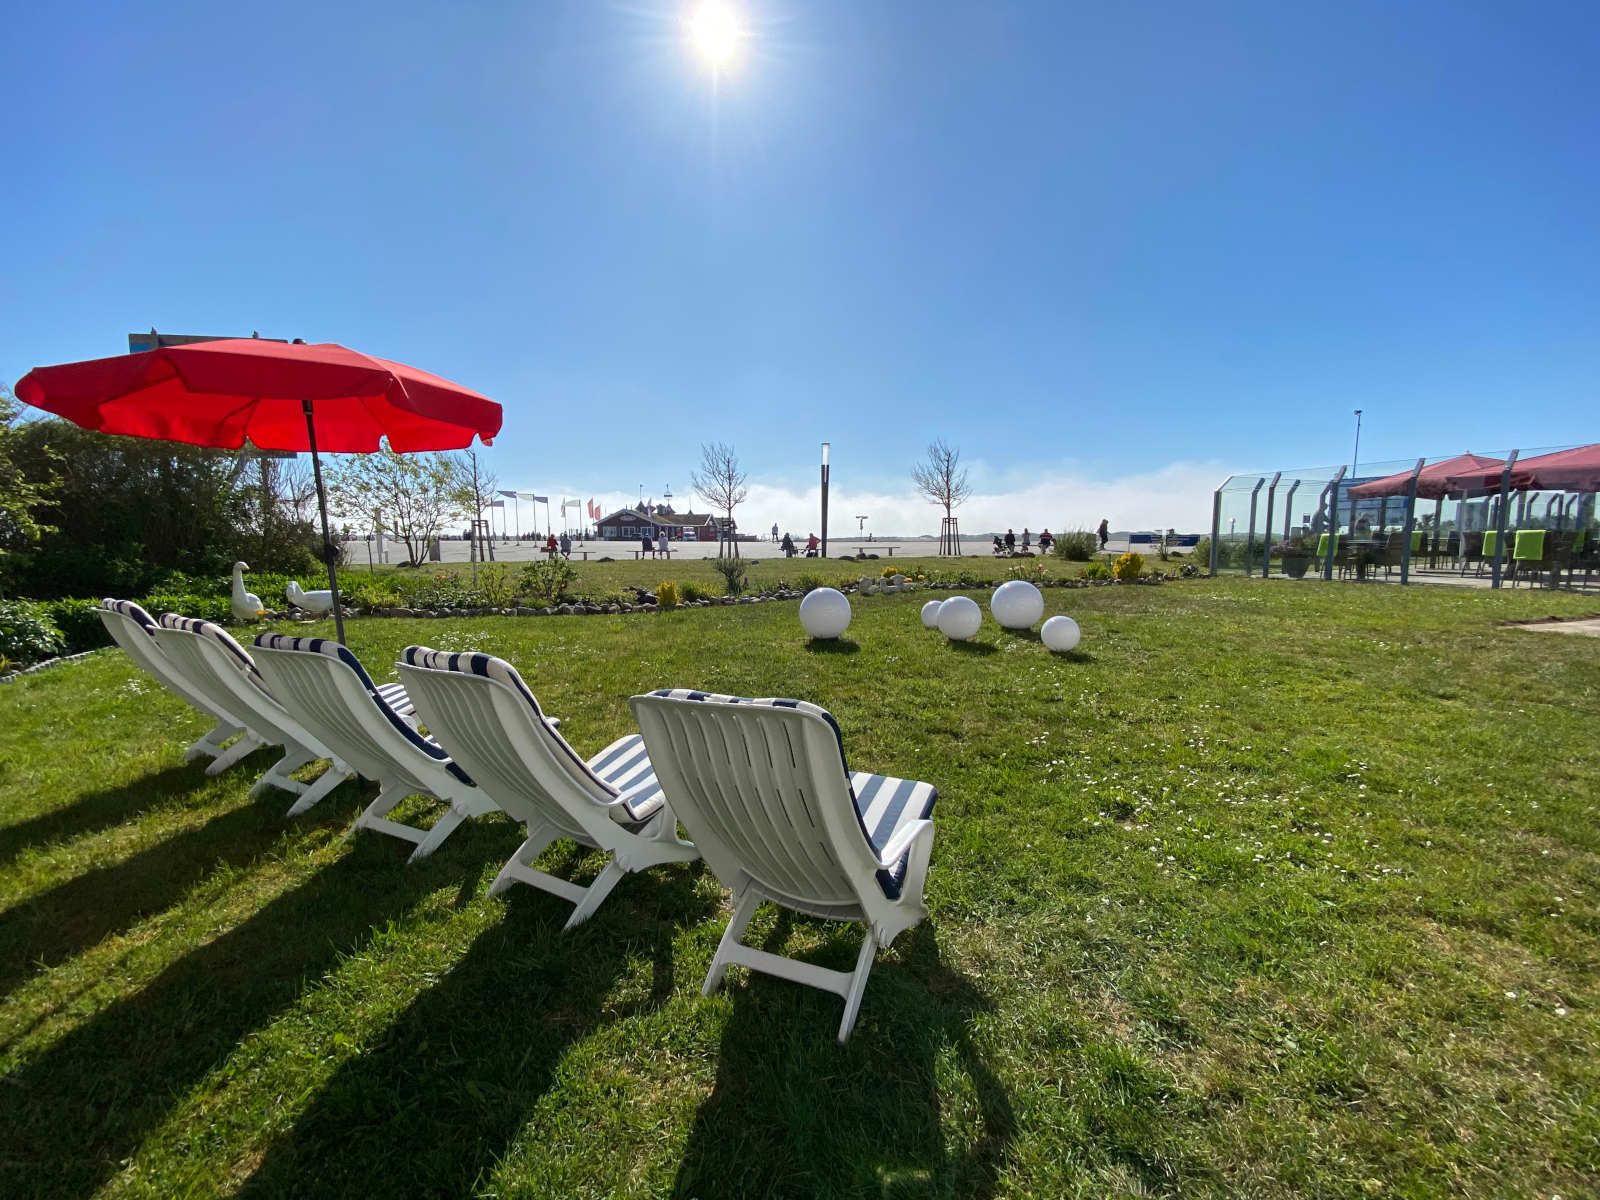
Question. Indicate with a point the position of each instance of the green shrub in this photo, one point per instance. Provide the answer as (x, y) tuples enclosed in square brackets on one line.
[(1097, 570), (1128, 566), (1076, 545), (187, 604), (666, 593), (546, 583), (809, 582), (690, 592), (496, 585), (79, 624), (1201, 554), (26, 632), (369, 592), (733, 572)]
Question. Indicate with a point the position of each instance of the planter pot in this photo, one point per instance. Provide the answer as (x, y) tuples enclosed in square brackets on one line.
[(1295, 565)]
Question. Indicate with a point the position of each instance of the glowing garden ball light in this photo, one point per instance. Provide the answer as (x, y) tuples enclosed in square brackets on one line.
[(960, 618), (930, 613), (825, 613), (1060, 634), (1017, 605)]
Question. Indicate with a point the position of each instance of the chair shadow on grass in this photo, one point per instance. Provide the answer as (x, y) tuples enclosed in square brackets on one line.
[(793, 1113), (839, 645), (447, 1088), (98, 810), (978, 648), (54, 925), (72, 1115)]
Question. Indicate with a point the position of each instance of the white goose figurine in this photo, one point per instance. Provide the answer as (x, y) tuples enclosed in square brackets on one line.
[(317, 602), (247, 606)]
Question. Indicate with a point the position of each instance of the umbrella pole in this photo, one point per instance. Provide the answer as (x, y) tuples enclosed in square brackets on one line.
[(322, 507)]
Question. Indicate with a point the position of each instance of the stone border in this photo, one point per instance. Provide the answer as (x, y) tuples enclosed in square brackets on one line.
[(47, 663)]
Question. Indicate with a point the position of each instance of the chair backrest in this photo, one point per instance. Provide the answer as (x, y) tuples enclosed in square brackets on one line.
[(132, 628), (483, 713), (763, 790), (227, 673), (325, 686)]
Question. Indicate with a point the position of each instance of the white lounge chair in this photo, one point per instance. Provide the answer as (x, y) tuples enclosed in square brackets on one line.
[(485, 716), (225, 673), (763, 789), (326, 688), (132, 628)]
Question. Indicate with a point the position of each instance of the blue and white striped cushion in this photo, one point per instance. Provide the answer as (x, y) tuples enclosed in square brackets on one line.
[(217, 634), (129, 609), (391, 698), (612, 770), (882, 803)]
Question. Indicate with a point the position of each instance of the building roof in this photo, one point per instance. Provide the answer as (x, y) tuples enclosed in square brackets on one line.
[(633, 514)]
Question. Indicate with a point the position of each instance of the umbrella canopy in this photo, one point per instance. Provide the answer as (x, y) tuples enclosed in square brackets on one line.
[(1433, 481), (1576, 470), (281, 396), (220, 393)]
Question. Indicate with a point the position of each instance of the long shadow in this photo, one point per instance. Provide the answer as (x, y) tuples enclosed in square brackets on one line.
[(432, 1108), (71, 1116), (52, 926), (839, 645), (795, 1114), (101, 809), (978, 648)]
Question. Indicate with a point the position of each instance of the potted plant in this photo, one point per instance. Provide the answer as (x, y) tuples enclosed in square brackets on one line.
[(1295, 553)]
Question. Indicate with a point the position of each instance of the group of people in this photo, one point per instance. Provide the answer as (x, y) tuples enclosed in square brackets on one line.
[(789, 550), (1007, 545)]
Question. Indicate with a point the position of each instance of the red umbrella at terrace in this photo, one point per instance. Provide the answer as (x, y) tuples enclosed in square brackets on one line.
[(1576, 470), (281, 396), (1431, 480)]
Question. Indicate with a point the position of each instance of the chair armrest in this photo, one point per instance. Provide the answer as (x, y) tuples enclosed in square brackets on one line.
[(917, 837)]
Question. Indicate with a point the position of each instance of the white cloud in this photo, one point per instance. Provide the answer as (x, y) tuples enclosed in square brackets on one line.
[(1177, 495)]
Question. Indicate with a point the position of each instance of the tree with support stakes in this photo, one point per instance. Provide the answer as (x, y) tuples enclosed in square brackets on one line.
[(720, 482), (473, 488), (943, 480)]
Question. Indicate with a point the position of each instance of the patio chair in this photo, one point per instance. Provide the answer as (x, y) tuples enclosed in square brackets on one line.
[(227, 675), (1394, 551), (763, 789), (1471, 551), (1532, 550), (132, 628), (481, 711), (326, 688)]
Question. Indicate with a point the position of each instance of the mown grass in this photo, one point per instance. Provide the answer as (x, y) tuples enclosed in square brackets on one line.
[(1270, 890)]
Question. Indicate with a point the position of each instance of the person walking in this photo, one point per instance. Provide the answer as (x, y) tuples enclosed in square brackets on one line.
[(1105, 532), (774, 533), (788, 546)]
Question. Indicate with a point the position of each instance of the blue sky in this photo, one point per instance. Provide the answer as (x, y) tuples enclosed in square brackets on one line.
[(1098, 247)]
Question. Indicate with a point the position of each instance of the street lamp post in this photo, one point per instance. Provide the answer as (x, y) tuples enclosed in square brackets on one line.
[(1356, 454), (824, 499)]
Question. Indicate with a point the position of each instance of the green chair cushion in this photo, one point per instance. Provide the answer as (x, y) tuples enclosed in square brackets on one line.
[(1530, 545), (1490, 537), (1418, 541)]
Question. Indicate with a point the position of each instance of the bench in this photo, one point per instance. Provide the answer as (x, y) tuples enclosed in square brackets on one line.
[(639, 554), (888, 550)]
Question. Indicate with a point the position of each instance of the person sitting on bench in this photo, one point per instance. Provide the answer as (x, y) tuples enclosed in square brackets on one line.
[(811, 546)]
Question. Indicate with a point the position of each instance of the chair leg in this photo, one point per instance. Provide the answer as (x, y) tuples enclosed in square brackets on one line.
[(278, 776), (246, 745), (858, 985), (610, 875), (211, 745), (442, 828), (520, 865), (318, 791), (742, 912)]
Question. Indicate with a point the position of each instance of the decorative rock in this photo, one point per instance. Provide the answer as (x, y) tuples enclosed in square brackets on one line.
[(960, 618), (930, 614), (825, 613), (1017, 605), (1060, 634)]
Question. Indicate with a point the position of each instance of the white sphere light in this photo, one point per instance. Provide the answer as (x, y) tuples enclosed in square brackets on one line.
[(960, 618), (930, 614), (825, 613), (1060, 634), (1017, 605)]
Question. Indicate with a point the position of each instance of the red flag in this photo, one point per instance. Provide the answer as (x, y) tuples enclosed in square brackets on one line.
[(594, 511)]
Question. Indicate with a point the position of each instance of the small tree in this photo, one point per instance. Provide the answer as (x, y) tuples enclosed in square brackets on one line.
[(20, 496), (473, 490), (942, 479), (720, 483), (416, 491)]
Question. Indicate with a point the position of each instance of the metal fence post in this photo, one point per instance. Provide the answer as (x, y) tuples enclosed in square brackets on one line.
[(1216, 525), (1250, 537), (1332, 493), (1411, 512), (1500, 519), (1266, 546)]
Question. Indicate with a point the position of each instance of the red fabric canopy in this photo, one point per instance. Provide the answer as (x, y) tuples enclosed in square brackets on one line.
[(1576, 470), (220, 393), (1433, 481)]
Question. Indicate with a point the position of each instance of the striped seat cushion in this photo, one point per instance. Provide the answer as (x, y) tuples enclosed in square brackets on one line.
[(391, 698), (620, 767), (883, 804), (217, 634), (129, 609)]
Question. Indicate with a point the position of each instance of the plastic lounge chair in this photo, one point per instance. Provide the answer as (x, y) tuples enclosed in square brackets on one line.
[(325, 686), (226, 674), (485, 716), (763, 789), (132, 628)]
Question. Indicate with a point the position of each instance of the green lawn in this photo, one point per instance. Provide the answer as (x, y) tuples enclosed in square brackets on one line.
[(1272, 890)]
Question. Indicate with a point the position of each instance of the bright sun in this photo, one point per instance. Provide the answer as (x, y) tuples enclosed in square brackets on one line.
[(715, 32)]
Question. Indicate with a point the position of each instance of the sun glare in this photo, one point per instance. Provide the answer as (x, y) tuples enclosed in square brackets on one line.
[(714, 30)]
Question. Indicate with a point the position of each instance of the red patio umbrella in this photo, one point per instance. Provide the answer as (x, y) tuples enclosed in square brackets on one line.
[(1432, 481), (281, 396), (1576, 470)]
